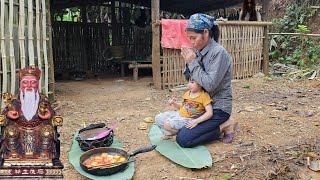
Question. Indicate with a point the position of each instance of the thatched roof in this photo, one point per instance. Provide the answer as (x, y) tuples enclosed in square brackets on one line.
[(179, 6)]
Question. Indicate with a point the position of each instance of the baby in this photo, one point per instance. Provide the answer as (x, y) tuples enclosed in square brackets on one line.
[(195, 102)]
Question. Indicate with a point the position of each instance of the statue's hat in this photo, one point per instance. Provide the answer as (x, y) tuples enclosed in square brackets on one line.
[(31, 71)]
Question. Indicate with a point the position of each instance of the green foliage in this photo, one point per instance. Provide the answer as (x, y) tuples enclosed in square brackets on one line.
[(302, 51), (246, 86), (296, 14), (302, 29), (267, 78), (69, 14), (224, 177)]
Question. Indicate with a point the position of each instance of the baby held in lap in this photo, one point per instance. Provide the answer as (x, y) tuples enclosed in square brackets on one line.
[(195, 102)]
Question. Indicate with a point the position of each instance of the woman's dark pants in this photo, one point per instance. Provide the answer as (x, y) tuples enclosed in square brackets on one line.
[(204, 132)]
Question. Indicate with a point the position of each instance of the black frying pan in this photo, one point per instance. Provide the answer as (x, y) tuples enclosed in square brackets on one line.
[(111, 170)]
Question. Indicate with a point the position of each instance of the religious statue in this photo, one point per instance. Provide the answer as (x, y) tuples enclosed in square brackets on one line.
[(30, 144)]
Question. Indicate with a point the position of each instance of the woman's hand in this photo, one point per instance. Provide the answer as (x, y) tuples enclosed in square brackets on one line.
[(187, 54), (191, 124)]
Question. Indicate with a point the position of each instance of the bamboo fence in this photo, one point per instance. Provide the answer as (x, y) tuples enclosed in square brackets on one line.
[(295, 34), (243, 40), (23, 41), (172, 68)]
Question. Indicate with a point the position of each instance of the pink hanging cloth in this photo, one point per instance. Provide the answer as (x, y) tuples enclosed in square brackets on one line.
[(174, 34)]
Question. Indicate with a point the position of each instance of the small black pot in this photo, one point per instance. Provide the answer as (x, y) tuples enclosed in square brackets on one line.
[(91, 131)]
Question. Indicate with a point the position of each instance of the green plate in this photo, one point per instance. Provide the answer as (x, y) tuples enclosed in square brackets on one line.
[(74, 159), (196, 158)]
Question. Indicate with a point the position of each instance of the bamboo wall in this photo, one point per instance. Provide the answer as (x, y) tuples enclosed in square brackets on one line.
[(172, 69), (138, 42), (243, 41), (82, 47), (245, 45), (24, 39), (79, 47)]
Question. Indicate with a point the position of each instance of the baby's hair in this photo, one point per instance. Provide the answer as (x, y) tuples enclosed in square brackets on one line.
[(187, 76), (191, 79)]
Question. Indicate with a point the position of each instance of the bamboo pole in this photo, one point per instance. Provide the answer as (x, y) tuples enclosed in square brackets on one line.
[(255, 52), (3, 50), (30, 35), (295, 34), (175, 68), (44, 45), (12, 57), (245, 23), (165, 66), (238, 53), (261, 45), (241, 51), (247, 46), (171, 59), (245, 55), (132, 66), (242, 23), (155, 6), (250, 51), (38, 41), (21, 33), (180, 65), (170, 67), (240, 63), (265, 51)]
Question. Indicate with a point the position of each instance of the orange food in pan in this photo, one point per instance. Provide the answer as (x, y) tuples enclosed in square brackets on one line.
[(103, 159)]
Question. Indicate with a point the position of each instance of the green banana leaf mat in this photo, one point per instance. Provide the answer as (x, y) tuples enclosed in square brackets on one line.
[(74, 158), (196, 158)]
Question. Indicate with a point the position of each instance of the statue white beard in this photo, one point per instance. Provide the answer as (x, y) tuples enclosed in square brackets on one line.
[(29, 103)]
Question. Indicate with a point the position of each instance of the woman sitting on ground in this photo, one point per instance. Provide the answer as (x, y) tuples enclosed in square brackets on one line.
[(210, 66)]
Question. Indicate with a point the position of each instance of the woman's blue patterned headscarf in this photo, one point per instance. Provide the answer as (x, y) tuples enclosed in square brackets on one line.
[(200, 21)]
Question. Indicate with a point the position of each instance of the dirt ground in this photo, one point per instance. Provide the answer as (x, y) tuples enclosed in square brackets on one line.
[(279, 125)]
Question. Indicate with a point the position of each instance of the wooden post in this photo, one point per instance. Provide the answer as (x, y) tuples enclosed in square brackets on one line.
[(120, 22), (114, 24), (135, 73), (84, 13), (85, 38), (155, 8), (265, 51), (122, 69)]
